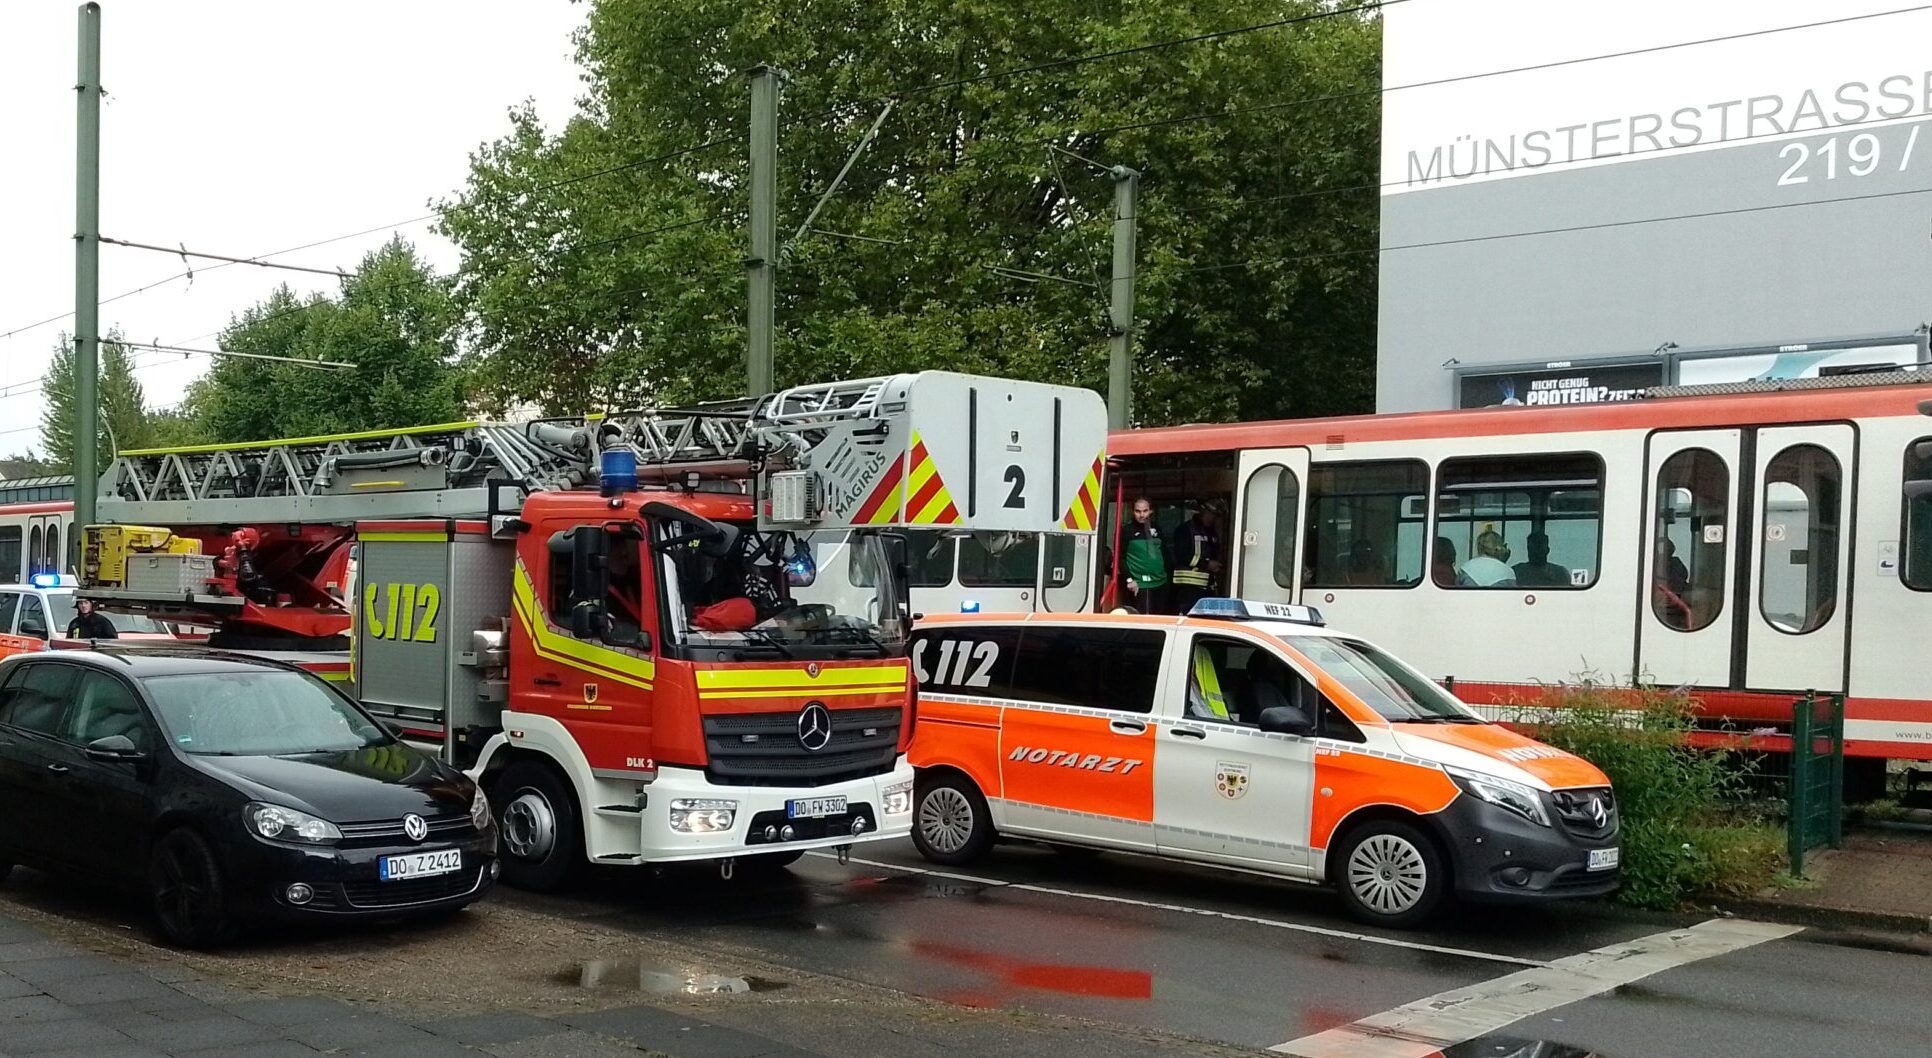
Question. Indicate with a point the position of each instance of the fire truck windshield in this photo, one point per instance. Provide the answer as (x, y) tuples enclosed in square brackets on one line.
[(822, 595)]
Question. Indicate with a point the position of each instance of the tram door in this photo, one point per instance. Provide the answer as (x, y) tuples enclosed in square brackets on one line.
[(1268, 514), (1746, 558)]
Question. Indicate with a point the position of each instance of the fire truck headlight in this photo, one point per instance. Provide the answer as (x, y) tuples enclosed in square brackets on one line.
[(702, 815), (480, 810), (286, 824), (897, 798)]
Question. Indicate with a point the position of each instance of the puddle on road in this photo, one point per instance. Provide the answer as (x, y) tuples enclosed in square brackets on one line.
[(633, 975), (1510, 1047)]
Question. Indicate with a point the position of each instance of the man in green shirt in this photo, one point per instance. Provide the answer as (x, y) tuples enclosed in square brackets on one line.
[(1144, 561)]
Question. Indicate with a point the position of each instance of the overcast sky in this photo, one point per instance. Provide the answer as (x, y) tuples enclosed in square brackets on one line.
[(243, 128)]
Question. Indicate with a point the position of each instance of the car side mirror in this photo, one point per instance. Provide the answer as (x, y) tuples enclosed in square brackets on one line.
[(114, 749), (1287, 720)]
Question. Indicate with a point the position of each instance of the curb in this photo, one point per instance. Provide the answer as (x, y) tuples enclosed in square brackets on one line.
[(1825, 917)]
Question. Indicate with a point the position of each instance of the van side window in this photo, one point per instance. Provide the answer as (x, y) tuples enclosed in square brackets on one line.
[(9, 602), (1100, 668), (33, 619), (1232, 681), (1335, 724), (966, 660)]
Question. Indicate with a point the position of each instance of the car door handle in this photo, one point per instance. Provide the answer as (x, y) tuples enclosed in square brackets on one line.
[(1128, 727), (58, 769), (1188, 732)]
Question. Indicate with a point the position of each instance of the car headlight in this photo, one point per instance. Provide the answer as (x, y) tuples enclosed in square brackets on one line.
[(898, 798), (480, 817), (1503, 793), (277, 823), (702, 815)]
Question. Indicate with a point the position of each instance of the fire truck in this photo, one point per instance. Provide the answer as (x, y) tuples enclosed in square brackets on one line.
[(653, 636)]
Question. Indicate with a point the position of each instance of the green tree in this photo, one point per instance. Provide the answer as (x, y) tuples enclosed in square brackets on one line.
[(394, 321), (603, 264), (123, 415)]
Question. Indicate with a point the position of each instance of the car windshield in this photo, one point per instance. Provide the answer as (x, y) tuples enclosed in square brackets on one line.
[(1395, 691), (831, 593), (258, 712), (61, 607)]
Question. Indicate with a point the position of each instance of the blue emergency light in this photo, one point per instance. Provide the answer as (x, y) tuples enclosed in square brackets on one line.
[(50, 580), (969, 606), (1250, 610)]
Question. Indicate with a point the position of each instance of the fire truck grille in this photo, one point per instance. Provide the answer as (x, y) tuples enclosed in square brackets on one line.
[(764, 749)]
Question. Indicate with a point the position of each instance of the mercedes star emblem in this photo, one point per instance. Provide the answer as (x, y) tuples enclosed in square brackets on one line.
[(414, 828), (1597, 813), (814, 726)]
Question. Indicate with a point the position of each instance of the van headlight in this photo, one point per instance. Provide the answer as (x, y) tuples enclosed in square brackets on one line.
[(897, 798), (276, 823), (480, 811), (702, 815), (1503, 793)]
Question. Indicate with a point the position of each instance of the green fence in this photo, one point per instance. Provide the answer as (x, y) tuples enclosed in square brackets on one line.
[(1816, 791)]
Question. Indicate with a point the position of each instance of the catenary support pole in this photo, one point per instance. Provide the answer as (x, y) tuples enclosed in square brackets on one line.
[(762, 264), (87, 268), (1120, 303)]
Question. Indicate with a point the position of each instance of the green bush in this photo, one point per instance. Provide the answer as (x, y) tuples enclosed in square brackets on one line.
[(1685, 829)]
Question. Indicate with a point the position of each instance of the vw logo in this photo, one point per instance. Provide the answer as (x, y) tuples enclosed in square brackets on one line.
[(814, 726), (414, 828), (1598, 815)]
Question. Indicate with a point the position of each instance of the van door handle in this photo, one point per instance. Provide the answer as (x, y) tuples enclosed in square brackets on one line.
[(1188, 732), (1128, 727)]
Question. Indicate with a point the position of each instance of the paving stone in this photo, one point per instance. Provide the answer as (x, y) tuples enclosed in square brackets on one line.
[(34, 1008), (36, 948), (266, 1049), (12, 987), (110, 987), (432, 1048), (676, 1034), (149, 1010), (358, 1030), (67, 1034), (42, 970), (572, 1044), (201, 1033), (18, 933), (126, 1050), (493, 1028), (295, 1010)]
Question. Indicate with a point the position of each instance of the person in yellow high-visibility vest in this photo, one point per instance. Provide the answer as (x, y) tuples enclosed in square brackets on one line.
[(1197, 564), (1205, 700)]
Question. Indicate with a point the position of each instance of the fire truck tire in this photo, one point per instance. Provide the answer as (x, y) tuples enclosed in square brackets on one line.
[(1389, 873), (950, 820), (541, 839), (190, 895)]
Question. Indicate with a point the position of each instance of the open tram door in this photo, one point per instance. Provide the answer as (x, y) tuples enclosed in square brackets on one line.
[(1747, 558), (1176, 485), (1266, 525)]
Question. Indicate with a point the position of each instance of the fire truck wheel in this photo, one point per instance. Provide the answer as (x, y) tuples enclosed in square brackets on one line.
[(537, 818), (190, 899), (950, 823), (1389, 874)]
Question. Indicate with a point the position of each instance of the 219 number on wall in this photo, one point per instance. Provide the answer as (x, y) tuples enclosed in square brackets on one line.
[(405, 612)]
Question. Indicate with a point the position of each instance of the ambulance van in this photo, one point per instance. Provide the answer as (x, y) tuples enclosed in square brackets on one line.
[(1245, 735)]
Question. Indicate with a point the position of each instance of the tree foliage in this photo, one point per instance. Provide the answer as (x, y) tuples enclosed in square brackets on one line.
[(124, 419), (603, 264), (393, 320)]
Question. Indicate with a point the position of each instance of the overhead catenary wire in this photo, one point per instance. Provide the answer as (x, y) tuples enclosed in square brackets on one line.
[(184, 253)]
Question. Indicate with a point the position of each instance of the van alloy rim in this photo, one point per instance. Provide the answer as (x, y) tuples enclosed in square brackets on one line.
[(1387, 874), (946, 819)]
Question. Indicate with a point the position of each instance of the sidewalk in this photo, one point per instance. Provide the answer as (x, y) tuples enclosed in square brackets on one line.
[(57, 1001), (1881, 879)]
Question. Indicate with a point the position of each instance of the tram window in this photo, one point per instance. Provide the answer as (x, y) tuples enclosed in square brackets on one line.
[(1915, 567), (51, 547), (11, 567), (929, 560), (1798, 588), (1271, 501), (1366, 523), (1061, 555), (1691, 539), (999, 560), (33, 551), (1520, 521)]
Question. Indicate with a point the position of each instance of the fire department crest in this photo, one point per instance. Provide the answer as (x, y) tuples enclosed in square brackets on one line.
[(1231, 780), (590, 694), (811, 670)]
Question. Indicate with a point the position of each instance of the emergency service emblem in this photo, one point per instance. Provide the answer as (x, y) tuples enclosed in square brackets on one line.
[(590, 694), (811, 669), (1231, 780)]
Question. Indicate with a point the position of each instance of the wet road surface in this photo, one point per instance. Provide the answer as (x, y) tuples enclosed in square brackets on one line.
[(1260, 964)]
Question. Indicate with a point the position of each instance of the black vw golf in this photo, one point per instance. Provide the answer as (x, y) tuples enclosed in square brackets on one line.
[(228, 788)]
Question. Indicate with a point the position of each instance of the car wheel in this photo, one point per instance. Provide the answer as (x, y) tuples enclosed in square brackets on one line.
[(1389, 874), (190, 897), (542, 844), (950, 822)]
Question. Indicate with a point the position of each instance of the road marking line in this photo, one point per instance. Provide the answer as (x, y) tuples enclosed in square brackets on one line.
[(1229, 916), (1426, 1026)]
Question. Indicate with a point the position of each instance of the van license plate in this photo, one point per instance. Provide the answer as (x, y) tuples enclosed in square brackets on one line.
[(420, 864), (814, 807), (1603, 859)]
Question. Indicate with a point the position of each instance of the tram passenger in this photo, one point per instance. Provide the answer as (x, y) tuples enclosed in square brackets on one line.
[(1539, 571), (1442, 567), (1489, 567)]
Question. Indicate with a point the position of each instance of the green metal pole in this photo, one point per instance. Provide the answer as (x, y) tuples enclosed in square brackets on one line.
[(1835, 821), (87, 267), (1120, 303), (762, 264), (1798, 780)]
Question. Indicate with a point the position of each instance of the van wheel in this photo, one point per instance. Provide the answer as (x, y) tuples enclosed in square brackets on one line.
[(950, 821), (536, 817), (1389, 874), (190, 899)]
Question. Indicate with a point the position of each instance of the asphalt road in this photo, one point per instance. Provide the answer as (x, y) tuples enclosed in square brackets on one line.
[(1259, 964)]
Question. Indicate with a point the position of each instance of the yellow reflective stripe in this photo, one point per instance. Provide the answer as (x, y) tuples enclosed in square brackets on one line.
[(889, 510), (404, 538), (333, 677), (720, 679), (638, 672), (934, 507), (920, 474), (807, 692), (376, 484), (1209, 682), (1191, 577), (365, 435)]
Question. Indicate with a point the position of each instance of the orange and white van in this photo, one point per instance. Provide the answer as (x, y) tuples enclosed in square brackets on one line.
[(1245, 735), (34, 616)]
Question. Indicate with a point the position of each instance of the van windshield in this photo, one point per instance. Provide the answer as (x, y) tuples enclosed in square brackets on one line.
[(1398, 693)]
